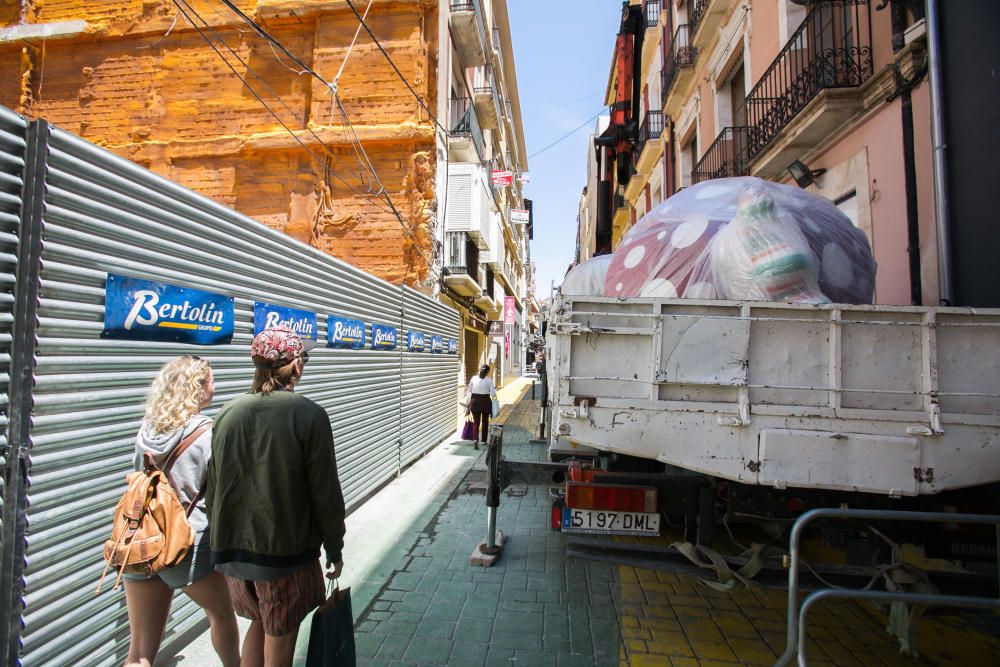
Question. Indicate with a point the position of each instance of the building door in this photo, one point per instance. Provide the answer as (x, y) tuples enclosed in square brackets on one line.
[(471, 354)]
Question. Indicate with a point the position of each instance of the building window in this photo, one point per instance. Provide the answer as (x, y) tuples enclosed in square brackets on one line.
[(848, 205), (689, 158)]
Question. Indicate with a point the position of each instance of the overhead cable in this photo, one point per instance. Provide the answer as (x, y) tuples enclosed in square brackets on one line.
[(325, 164)]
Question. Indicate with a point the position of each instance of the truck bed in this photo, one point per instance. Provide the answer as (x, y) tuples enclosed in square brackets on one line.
[(893, 400)]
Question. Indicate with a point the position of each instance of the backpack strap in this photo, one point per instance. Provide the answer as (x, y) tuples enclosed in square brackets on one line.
[(175, 453), (182, 446)]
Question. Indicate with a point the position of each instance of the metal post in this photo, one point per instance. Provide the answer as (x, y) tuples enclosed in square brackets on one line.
[(494, 444), (21, 399), (941, 212)]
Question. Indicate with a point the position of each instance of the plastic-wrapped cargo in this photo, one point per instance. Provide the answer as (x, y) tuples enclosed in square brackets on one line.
[(587, 278), (744, 239)]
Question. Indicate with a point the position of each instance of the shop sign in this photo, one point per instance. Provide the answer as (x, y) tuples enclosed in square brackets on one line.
[(414, 341), (140, 309), (383, 337), (345, 333), (302, 322)]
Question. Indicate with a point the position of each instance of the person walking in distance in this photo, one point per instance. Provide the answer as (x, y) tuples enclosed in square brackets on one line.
[(274, 498), (181, 390), (482, 393)]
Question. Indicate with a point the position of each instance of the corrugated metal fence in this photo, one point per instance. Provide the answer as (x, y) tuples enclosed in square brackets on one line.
[(105, 214)]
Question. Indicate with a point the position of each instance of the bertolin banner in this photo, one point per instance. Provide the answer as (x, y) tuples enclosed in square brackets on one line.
[(452, 346), (383, 337), (415, 341), (302, 322), (344, 333), (437, 345), (146, 310)]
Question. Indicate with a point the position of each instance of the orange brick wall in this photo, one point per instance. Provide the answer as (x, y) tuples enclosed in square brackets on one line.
[(171, 104)]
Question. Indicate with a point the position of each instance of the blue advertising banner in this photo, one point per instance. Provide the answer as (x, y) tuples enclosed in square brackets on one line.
[(140, 309), (437, 344), (344, 333), (452, 346), (383, 337), (302, 322), (415, 341)]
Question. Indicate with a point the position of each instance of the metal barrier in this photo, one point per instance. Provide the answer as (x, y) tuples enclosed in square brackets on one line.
[(796, 643)]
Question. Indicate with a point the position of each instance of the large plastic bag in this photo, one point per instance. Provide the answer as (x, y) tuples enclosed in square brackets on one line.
[(587, 278), (744, 239)]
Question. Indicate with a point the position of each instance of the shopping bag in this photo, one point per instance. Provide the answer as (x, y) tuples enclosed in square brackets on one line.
[(494, 408), (331, 639), (469, 431)]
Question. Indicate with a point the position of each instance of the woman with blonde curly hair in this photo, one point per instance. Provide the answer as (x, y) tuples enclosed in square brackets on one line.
[(180, 391)]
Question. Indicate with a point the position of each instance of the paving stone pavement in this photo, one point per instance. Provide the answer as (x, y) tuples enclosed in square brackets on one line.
[(536, 606)]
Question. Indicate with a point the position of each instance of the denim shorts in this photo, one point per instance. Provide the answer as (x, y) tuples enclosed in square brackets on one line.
[(196, 566)]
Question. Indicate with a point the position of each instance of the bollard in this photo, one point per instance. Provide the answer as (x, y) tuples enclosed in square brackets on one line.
[(532, 390), (489, 550)]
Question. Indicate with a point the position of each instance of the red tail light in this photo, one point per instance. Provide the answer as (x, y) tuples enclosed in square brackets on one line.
[(616, 497)]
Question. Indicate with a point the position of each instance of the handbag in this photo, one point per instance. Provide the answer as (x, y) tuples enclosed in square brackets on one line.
[(331, 636), (469, 430), (494, 408)]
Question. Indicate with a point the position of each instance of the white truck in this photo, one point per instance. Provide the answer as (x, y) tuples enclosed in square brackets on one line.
[(763, 410)]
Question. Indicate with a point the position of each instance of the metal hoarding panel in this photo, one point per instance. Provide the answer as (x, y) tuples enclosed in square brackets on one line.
[(104, 214), (430, 394), (12, 151)]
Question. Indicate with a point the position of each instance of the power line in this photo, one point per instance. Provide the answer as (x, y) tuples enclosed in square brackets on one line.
[(568, 134), (392, 207)]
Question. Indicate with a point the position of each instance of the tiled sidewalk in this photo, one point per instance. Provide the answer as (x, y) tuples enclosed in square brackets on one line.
[(538, 607)]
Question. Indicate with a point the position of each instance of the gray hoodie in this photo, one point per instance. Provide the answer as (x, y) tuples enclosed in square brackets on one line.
[(189, 471)]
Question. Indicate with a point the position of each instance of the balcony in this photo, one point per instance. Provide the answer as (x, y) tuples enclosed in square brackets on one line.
[(705, 18), (461, 272), (620, 217), (485, 96), (678, 72), (649, 148), (468, 31), (727, 156), (464, 133), (651, 40), (812, 87), (652, 12), (470, 204)]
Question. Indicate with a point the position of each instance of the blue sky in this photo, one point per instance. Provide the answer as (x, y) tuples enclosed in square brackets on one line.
[(562, 51)]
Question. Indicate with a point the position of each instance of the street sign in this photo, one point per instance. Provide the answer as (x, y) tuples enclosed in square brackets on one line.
[(502, 177)]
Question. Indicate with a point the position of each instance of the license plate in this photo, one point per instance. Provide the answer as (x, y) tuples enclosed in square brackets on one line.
[(606, 522)]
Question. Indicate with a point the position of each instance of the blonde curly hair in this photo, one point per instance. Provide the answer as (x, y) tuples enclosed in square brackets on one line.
[(177, 393)]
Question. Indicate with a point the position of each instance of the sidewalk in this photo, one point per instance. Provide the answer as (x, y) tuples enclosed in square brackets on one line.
[(417, 601), (382, 531)]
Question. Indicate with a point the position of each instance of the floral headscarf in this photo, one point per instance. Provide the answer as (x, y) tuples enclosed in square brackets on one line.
[(276, 347)]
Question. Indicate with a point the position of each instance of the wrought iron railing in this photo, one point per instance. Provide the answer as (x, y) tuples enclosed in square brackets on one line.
[(727, 156), (696, 11), (463, 121), (462, 255), (619, 200), (830, 49), (682, 54), (650, 128), (653, 13)]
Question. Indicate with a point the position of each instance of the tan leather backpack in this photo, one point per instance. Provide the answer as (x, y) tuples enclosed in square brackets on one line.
[(151, 530)]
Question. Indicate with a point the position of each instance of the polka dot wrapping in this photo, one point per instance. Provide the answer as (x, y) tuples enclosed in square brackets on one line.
[(668, 253)]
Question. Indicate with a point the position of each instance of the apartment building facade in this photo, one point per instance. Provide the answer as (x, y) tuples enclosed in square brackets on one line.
[(487, 222), (830, 94), (193, 92)]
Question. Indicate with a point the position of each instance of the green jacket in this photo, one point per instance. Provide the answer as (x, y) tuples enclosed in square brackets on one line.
[(273, 494)]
